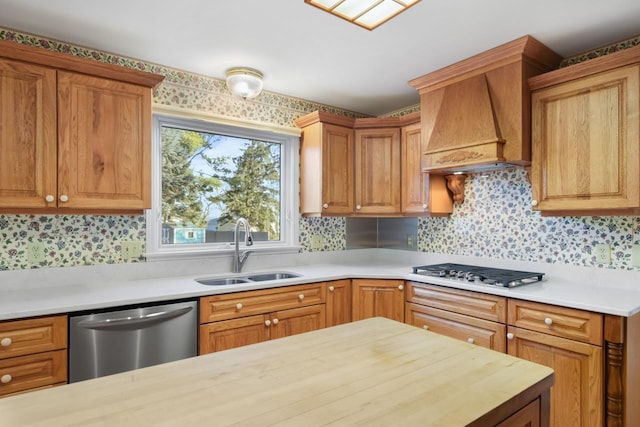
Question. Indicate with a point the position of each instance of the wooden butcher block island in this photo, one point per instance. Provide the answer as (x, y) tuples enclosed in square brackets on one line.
[(374, 372)]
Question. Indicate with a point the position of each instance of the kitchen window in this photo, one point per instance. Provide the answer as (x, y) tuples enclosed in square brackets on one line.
[(206, 175)]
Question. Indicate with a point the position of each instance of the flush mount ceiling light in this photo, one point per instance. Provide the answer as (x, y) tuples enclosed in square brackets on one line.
[(366, 13), (244, 82)]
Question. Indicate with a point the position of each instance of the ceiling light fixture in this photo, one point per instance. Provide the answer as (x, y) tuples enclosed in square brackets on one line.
[(368, 14), (244, 82)]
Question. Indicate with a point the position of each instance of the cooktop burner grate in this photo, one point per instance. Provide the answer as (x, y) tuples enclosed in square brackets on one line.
[(480, 275)]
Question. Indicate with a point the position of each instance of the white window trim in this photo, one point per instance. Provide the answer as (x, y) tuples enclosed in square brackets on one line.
[(290, 189)]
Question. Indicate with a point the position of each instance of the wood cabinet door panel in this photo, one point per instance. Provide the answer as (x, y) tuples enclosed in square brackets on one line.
[(226, 334), (297, 321), (465, 328), (33, 371), (337, 169), (27, 135), (564, 322), (372, 298), (377, 181), (338, 302), (229, 306), (413, 180), (104, 143), (586, 134), (529, 416), (576, 396), (21, 337), (483, 306)]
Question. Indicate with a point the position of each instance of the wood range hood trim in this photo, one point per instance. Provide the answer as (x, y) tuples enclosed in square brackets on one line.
[(475, 113)]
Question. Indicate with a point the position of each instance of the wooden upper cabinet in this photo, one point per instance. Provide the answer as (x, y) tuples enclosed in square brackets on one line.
[(421, 192), (104, 143), (586, 139), (367, 167), (377, 181), (27, 134), (75, 134), (326, 165)]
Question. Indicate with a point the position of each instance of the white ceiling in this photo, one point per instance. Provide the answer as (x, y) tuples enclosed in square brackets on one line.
[(310, 54)]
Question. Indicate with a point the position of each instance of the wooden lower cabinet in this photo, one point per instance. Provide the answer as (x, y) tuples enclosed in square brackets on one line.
[(375, 297), (33, 354), (529, 416), (338, 302), (466, 328), (576, 396), (243, 318), (226, 334)]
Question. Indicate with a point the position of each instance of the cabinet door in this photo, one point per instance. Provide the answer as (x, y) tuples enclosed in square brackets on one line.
[(337, 169), (576, 396), (32, 371), (226, 334), (529, 416), (414, 191), (377, 182), (338, 302), (465, 328), (27, 135), (586, 143), (104, 143), (373, 298), (297, 321)]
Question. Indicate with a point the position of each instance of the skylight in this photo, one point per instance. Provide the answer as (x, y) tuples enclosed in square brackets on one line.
[(368, 14)]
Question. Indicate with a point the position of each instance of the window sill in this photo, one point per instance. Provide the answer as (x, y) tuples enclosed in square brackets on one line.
[(200, 253)]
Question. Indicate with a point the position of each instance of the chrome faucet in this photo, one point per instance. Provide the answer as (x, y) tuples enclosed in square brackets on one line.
[(239, 258)]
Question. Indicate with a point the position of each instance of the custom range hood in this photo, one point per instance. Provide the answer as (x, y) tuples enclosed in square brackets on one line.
[(475, 114)]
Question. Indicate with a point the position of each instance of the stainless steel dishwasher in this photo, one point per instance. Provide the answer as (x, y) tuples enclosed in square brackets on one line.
[(107, 342)]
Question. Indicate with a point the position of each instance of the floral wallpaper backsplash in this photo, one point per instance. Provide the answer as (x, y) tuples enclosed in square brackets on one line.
[(332, 232), (66, 240), (496, 221)]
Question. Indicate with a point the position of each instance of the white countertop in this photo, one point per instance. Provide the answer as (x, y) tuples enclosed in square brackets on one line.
[(66, 290)]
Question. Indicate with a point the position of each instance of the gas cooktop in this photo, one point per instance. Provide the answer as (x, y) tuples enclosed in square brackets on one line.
[(480, 275)]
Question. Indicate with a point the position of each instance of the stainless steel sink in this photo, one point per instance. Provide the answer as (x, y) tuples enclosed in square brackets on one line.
[(272, 276), (261, 277), (220, 281)]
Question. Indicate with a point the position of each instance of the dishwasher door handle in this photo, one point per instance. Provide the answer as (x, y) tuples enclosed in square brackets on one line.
[(131, 322)]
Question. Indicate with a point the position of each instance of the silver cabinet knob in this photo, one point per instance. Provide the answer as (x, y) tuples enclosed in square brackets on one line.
[(424, 206), (510, 336), (239, 306), (326, 205), (6, 379), (301, 297), (470, 340), (425, 327), (548, 321), (64, 198), (534, 203), (275, 321), (49, 198), (331, 288), (267, 322), (358, 207), (400, 287), (5, 342)]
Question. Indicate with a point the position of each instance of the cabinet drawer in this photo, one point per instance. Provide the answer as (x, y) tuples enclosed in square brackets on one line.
[(483, 306), (32, 371), (20, 337), (465, 328), (230, 306), (563, 322)]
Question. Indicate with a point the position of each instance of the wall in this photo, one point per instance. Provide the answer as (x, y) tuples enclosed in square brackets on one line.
[(93, 239), (494, 221)]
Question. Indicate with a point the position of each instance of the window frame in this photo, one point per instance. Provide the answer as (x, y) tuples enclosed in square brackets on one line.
[(289, 190)]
